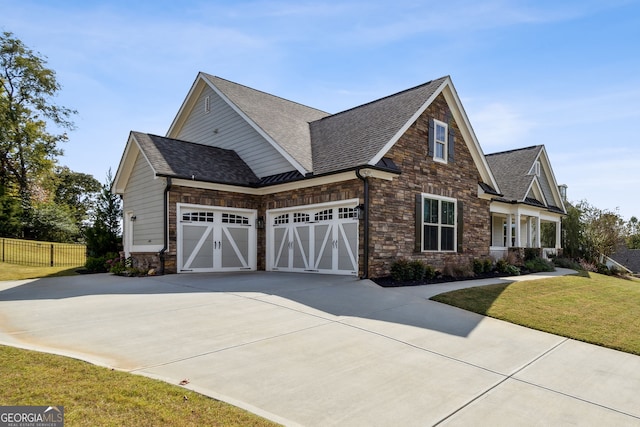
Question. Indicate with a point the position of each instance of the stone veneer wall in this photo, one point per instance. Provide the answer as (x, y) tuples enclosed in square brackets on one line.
[(305, 196), (392, 210)]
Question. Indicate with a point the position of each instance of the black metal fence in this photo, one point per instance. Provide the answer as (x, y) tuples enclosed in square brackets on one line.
[(42, 254)]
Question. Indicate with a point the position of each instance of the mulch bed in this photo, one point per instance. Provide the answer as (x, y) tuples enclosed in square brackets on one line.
[(390, 282)]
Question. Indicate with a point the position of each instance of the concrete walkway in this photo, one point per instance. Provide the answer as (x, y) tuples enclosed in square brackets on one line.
[(324, 350)]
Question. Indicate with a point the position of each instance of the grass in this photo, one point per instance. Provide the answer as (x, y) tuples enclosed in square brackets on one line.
[(95, 396), (594, 308), (20, 272), (29, 252)]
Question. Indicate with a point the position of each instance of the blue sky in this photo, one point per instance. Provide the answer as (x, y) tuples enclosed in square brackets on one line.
[(565, 74)]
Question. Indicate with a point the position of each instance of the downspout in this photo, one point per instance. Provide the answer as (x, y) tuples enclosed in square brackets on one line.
[(166, 224), (365, 180)]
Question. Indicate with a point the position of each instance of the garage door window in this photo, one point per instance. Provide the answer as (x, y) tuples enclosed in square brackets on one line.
[(198, 216)]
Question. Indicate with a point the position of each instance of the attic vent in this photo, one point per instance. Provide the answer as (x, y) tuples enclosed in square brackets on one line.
[(207, 104), (535, 169)]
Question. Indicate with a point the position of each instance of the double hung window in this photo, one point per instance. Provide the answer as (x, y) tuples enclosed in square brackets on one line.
[(439, 222)]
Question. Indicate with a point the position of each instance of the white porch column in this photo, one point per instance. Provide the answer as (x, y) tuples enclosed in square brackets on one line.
[(538, 233), (509, 235), (517, 231), (558, 234), (529, 232)]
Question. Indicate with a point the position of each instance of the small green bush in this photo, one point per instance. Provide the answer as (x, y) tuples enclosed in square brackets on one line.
[(566, 263), (536, 265), (603, 269), (402, 270), (487, 265), (96, 264), (512, 270), (501, 265), (406, 270), (417, 268), (478, 266)]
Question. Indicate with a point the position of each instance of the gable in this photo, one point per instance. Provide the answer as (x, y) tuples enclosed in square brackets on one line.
[(222, 127), (522, 181), (270, 133), (365, 134)]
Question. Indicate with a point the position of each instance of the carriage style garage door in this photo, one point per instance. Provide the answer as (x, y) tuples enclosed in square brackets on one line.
[(215, 239), (319, 238)]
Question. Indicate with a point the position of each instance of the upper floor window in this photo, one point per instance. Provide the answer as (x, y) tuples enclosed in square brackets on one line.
[(441, 141), (440, 152)]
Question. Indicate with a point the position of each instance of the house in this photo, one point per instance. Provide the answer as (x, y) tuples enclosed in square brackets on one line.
[(625, 259), (246, 180), (531, 203)]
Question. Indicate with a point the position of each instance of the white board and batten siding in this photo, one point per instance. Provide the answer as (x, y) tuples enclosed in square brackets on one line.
[(144, 200), (222, 127)]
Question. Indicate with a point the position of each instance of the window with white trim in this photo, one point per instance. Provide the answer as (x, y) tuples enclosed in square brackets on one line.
[(440, 141), (439, 223)]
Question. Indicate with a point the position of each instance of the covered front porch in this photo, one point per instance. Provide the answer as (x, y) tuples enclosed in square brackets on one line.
[(518, 226)]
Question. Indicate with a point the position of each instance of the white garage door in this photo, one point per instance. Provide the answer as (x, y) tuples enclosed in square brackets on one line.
[(215, 239), (319, 238)]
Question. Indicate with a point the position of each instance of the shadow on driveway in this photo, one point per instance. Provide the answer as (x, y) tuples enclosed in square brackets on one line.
[(317, 295)]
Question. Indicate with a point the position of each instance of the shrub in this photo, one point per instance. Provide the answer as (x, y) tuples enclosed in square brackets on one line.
[(487, 265), (402, 270), (478, 266), (501, 265), (418, 269), (429, 272), (566, 263), (458, 271), (512, 270), (96, 264), (538, 264), (603, 269)]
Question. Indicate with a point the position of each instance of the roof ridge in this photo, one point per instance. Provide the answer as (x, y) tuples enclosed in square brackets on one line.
[(384, 97), (514, 150), (265, 93)]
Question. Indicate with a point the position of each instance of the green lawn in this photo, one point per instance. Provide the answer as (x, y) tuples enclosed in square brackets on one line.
[(95, 396), (598, 309), (30, 252), (20, 272)]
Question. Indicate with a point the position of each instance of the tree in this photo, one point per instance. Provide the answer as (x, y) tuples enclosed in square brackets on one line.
[(633, 233), (27, 147), (104, 235), (572, 232), (10, 213), (76, 190), (590, 232), (52, 222)]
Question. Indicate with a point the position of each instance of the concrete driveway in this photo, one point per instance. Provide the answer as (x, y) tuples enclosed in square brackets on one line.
[(324, 350)]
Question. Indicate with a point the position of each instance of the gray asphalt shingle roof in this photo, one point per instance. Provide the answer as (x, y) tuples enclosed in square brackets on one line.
[(630, 258), (353, 137), (181, 159), (511, 170), (286, 122)]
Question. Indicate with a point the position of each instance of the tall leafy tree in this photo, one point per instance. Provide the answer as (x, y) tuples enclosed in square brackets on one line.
[(76, 190), (28, 148)]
